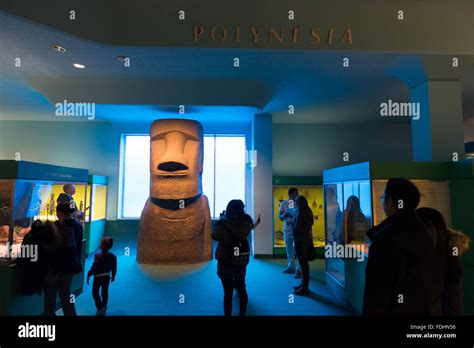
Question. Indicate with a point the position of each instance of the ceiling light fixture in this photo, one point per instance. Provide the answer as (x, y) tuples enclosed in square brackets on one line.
[(79, 66), (58, 48)]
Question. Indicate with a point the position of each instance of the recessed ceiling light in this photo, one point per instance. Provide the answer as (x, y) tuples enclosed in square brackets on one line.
[(58, 48), (79, 66), (121, 58)]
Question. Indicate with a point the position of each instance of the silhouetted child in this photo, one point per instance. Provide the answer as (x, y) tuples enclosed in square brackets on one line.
[(105, 264)]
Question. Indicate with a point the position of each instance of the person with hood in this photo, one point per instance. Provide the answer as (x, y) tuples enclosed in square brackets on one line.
[(233, 252), (401, 273), (303, 223), (449, 245)]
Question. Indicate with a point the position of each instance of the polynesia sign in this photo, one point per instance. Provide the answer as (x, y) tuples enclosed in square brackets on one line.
[(272, 35)]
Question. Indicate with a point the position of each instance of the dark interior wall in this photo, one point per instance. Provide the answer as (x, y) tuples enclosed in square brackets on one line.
[(308, 149), (156, 23)]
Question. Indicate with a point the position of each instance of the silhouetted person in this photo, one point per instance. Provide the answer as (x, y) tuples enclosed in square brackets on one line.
[(449, 245), (44, 236), (286, 214), (400, 277), (104, 270), (303, 222), (67, 261), (356, 222), (233, 253)]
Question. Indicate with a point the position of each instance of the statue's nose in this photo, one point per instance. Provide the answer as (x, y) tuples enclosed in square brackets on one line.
[(174, 158)]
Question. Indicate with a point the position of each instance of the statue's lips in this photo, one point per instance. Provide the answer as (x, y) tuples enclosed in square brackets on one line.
[(174, 219), (164, 174)]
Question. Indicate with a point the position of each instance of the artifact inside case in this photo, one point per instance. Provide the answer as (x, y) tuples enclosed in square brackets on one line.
[(314, 195)]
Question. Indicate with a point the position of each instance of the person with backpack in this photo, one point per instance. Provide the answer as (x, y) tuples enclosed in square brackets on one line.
[(66, 261), (233, 252)]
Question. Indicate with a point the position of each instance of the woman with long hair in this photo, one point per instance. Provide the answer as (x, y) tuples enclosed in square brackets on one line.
[(303, 223)]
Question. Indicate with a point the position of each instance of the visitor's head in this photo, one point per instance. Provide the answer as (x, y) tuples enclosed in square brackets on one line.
[(458, 241), (302, 203), (65, 209), (292, 193), (46, 231), (401, 195), (330, 195), (69, 189), (106, 243), (353, 203), (235, 209), (434, 223)]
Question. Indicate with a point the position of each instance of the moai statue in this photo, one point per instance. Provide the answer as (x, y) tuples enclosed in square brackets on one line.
[(175, 225)]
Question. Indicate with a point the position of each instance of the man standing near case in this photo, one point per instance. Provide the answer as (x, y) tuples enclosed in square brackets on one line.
[(286, 214), (401, 273)]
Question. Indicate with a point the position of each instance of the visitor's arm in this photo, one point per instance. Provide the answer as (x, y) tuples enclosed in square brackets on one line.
[(114, 267), (79, 236), (218, 232), (281, 213), (93, 268), (257, 222)]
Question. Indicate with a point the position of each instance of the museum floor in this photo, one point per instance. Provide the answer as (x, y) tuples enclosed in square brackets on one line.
[(157, 290)]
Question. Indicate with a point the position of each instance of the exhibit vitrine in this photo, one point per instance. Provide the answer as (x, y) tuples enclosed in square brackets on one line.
[(29, 191), (95, 211), (311, 188), (353, 204)]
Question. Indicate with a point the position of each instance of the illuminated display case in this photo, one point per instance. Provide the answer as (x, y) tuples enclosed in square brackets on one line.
[(29, 191), (311, 188), (96, 202), (353, 204)]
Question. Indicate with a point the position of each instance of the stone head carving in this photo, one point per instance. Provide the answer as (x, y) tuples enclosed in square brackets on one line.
[(175, 226), (176, 158)]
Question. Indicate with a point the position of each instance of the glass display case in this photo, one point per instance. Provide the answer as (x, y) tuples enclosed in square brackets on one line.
[(95, 207), (353, 204), (29, 191), (311, 188)]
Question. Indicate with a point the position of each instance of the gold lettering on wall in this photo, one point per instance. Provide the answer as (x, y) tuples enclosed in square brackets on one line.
[(296, 34), (237, 35), (315, 34), (278, 37), (198, 32), (255, 34), (331, 32), (348, 36), (220, 34), (223, 35)]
